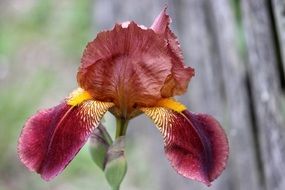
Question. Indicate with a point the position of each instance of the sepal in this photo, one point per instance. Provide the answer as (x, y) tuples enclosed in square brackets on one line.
[(116, 165), (100, 141)]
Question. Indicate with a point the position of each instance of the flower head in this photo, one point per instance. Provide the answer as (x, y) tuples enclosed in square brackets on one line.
[(128, 70), (134, 66)]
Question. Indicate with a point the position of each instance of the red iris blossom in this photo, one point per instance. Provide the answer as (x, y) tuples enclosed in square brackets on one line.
[(128, 70)]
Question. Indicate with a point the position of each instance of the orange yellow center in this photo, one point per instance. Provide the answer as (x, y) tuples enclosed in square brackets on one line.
[(78, 96), (171, 104)]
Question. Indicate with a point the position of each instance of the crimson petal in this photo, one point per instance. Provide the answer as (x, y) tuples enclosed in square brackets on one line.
[(195, 144), (52, 137)]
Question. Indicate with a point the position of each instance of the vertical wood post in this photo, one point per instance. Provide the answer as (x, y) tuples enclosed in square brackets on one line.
[(265, 84), (242, 154)]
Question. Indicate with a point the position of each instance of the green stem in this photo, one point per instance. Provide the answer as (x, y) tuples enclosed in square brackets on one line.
[(121, 128)]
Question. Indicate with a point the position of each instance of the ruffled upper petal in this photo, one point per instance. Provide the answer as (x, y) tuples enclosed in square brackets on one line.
[(52, 137), (178, 80), (126, 65), (134, 66), (195, 144), (161, 22)]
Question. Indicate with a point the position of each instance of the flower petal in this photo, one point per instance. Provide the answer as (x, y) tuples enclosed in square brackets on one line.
[(132, 65), (195, 144), (52, 137), (176, 83), (127, 65), (161, 22)]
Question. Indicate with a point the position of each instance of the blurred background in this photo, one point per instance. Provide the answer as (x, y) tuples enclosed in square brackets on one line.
[(237, 48)]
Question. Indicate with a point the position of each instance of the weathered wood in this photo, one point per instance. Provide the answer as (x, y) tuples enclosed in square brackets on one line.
[(266, 90), (243, 158), (194, 30), (108, 12), (279, 15)]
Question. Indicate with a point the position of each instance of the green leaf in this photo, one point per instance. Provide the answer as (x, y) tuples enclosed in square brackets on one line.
[(100, 142), (116, 165)]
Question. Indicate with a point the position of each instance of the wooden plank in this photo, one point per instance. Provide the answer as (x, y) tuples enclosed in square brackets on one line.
[(242, 148), (266, 91), (279, 14), (199, 49)]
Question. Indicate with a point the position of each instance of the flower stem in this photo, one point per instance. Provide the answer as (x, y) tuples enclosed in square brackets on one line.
[(122, 125)]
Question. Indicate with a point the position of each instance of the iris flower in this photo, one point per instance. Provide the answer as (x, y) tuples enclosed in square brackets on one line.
[(127, 71)]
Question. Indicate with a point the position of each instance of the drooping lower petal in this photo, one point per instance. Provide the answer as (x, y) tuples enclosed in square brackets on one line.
[(52, 137), (195, 144)]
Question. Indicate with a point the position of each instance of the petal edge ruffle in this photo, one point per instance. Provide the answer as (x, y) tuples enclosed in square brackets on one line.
[(177, 82)]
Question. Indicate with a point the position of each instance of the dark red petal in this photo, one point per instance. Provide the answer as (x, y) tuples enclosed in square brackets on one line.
[(180, 76), (52, 137), (195, 144)]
